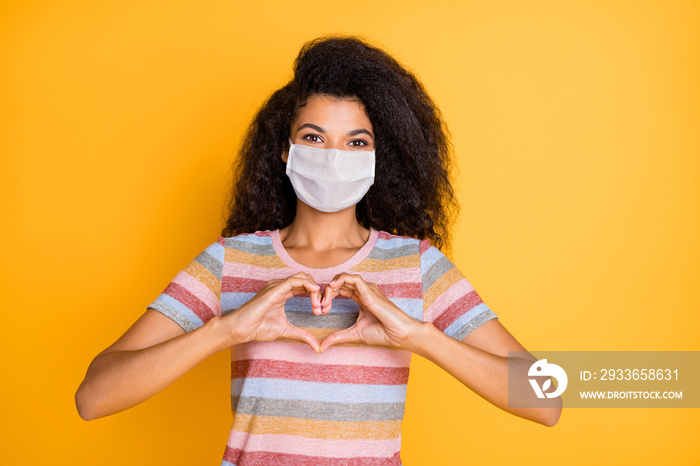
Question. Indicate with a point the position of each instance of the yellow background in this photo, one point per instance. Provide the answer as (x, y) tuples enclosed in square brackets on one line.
[(575, 127)]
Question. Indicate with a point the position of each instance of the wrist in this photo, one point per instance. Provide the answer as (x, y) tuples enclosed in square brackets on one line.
[(221, 332), (419, 339)]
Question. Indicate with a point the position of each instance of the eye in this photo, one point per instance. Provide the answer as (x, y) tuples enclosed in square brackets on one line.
[(358, 143), (312, 137)]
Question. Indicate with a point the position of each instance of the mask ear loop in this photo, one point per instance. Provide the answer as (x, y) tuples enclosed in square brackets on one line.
[(287, 150)]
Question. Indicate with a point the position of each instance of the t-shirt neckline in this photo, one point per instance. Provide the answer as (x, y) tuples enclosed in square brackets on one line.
[(360, 255)]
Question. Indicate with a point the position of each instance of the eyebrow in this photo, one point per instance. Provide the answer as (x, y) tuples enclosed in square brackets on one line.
[(354, 132)]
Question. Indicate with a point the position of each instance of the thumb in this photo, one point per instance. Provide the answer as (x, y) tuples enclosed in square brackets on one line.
[(295, 333), (348, 335)]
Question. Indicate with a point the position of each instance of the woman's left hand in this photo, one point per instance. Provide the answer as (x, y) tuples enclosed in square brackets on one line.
[(379, 322)]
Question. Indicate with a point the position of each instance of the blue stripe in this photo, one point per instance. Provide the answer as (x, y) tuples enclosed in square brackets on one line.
[(340, 305), (183, 310), (266, 240), (465, 318), (395, 242), (232, 300), (411, 306), (217, 251), (429, 257), (318, 391)]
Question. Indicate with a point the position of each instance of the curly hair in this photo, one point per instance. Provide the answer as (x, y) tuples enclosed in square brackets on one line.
[(411, 195)]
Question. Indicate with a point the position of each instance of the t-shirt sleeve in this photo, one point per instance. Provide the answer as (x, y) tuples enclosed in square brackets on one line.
[(450, 302), (194, 295)]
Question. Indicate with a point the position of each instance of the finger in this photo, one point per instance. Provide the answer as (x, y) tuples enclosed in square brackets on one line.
[(343, 284), (366, 296), (295, 333), (348, 293), (332, 290), (329, 295), (315, 295), (314, 291), (342, 278), (304, 284), (348, 335), (296, 284), (348, 281), (326, 300)]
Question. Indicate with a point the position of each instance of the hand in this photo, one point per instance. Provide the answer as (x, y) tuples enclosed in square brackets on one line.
[(263, 318), (379, 322)]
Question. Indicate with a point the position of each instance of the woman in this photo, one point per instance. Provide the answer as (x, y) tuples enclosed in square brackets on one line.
[(327, 276)]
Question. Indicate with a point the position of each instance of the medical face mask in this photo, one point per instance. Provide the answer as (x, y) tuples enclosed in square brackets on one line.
[(329, 180)]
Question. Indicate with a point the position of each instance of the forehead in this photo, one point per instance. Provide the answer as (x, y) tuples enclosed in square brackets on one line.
[(333, 111)]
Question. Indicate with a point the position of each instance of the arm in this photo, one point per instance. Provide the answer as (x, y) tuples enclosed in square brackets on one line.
[(480, 361), (156, 351), (151, 355)]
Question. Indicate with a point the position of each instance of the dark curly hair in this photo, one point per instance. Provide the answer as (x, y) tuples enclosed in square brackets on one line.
[(411, 195)]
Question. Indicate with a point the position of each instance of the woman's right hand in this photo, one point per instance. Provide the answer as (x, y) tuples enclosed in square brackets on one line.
[(262, 318)]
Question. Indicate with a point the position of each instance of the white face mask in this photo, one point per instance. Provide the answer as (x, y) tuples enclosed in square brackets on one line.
[(329, 180)]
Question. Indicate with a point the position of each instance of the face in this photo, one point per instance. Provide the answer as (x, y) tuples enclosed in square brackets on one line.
[(332, 123)]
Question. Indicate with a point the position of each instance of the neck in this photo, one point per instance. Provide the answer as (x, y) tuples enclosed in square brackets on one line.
[(324, 230)]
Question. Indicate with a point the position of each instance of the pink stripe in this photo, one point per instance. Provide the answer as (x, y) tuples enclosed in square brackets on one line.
[(461, 306), (407, 276), (200, 290), (263, 458), (455, 292), (233, 269), (241, 285), (403, 290), (296, 445), (424, 246), (252, 279), (338, 373), (192, 302), (300, 352)]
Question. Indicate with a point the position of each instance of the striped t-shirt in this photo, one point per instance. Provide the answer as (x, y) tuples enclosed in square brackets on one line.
[(291, 405)]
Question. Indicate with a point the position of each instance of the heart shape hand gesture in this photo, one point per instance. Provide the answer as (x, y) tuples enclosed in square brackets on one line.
[(380, 322)]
